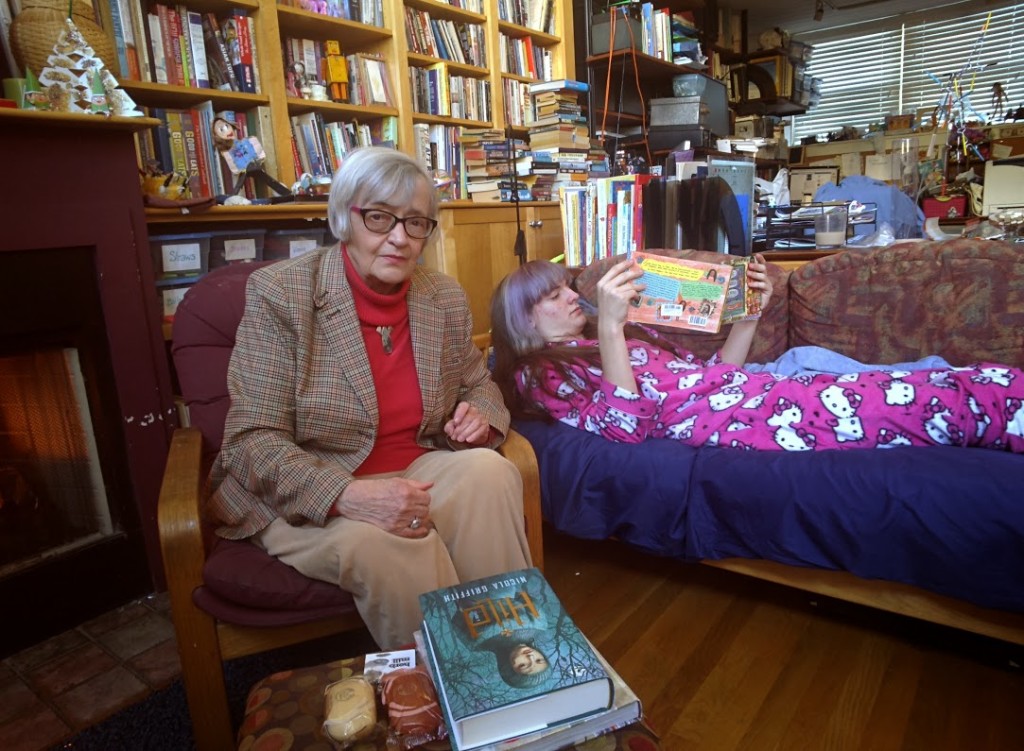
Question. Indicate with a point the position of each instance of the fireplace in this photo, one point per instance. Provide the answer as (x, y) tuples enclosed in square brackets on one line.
[(85, 401)]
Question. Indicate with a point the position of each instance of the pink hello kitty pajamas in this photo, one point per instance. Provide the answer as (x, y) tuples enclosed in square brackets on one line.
[(718, 404)]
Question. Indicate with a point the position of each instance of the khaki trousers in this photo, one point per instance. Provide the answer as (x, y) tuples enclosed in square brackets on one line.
[(477, 509)]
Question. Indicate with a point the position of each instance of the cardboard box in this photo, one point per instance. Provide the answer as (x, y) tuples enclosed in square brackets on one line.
[(180, 255)]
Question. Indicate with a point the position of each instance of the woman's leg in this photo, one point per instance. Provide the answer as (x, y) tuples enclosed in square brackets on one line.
[(477, 507), (384, 573)]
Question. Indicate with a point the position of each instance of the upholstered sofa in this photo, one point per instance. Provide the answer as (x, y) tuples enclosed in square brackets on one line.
[(932, 532)]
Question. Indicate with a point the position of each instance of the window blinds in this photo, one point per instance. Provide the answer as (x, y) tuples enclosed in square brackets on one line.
[(867, 77)]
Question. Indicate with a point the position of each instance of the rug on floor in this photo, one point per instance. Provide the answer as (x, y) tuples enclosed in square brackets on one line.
[(161, 722)]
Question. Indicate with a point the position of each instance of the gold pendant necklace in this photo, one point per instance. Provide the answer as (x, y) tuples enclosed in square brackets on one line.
[(385, 338)]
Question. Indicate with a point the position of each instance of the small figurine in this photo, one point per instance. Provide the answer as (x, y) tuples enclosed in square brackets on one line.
[(335, 71), (244, 156)]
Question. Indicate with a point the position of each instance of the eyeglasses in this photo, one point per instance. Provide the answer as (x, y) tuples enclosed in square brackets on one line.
[(382, 222)]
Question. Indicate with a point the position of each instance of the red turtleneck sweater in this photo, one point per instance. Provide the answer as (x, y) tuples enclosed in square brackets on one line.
[(399, 400)]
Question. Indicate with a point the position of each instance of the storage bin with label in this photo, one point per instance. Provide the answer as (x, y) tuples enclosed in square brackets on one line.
[(171, 292), (236, 246), (289, 243), (180, 255)]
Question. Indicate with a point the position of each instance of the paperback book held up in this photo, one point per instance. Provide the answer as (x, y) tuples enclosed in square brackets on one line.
[(508, 660), (696, 295)]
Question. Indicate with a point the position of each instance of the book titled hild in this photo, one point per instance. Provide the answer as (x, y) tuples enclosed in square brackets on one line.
[(508, 660)]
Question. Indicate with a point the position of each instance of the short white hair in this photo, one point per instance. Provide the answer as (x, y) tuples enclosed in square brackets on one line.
[(374, 174)]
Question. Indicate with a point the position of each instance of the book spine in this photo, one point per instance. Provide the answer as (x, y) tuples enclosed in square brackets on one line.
[(254, 50), (243, 67), (188, 130), (119, 37), (184, 41), (131, 40), (176, 137), (172, 41), (224, 56), (202, 161), (197, 49), (263, 129), (161, 141), (156, 48)]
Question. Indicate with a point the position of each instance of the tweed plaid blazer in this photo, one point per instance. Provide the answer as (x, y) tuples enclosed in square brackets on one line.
[(303, 410)]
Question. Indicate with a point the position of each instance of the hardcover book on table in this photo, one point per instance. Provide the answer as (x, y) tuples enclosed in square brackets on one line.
[(508, 660), (626, 710)]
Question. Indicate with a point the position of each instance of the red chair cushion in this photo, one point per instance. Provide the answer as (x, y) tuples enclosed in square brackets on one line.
[(241, 573)]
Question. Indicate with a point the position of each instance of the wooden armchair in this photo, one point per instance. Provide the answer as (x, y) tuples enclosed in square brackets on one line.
[(230, 599)]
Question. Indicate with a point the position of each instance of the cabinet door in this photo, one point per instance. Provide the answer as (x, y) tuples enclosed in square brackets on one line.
[(477, 247), (544, 238)]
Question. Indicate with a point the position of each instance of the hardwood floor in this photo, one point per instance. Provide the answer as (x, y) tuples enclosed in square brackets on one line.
[(724, 662)]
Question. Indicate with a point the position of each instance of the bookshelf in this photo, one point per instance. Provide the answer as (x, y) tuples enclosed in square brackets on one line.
[(628, 64), (409, 37), (507, 54)]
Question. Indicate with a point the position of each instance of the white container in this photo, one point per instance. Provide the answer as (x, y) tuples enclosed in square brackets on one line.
[(830, 228)]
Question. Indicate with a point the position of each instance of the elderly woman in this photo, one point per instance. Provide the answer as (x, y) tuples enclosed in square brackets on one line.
[(626, 383), (358, 446)]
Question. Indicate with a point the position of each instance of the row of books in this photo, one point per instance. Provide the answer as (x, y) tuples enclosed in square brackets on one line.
[(437, 91), (183, 143), (368, 12), (559, 136), (533, 14), (319, 147), (602, 217), (524, 58), (670, 36), (495, 165), (438, 147), (517, 101), (445, 39), (172, 44), (369, 82), (514, 672)]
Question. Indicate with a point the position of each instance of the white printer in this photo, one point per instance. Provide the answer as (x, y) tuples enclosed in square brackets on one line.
[(1004, 185)]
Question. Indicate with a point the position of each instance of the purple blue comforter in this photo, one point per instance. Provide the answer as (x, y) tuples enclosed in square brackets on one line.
[(945, 519)]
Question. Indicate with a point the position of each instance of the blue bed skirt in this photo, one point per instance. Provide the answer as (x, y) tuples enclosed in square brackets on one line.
[(945, 519)]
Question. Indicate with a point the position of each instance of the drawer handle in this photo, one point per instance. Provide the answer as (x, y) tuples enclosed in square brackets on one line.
[(537, 223)]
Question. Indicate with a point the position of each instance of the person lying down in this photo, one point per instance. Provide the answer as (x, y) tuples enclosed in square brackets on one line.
[(627, 383)]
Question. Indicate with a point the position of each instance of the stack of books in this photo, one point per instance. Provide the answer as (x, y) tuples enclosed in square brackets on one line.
[(490, 159), (513, 671), (559, 136)]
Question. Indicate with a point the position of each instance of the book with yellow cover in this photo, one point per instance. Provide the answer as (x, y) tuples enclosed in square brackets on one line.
[(695, 295)]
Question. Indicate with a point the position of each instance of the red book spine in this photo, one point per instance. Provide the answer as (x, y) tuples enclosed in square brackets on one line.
[(246, 75)]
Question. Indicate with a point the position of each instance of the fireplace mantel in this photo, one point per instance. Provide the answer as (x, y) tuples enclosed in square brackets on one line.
[(71, 182)]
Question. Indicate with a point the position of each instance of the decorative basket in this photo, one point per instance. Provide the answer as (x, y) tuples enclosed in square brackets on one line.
[(35, 29)]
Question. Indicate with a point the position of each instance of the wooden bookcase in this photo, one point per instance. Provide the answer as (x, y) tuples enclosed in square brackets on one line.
[(274, 22)]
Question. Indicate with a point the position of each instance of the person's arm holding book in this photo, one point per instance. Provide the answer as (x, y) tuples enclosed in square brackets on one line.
[(615, 293), (741, 336)]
